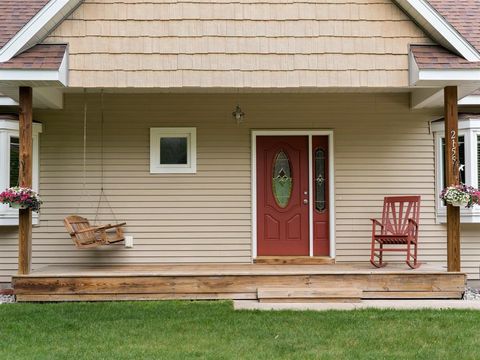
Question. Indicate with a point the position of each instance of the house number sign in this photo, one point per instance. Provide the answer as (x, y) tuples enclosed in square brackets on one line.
[(453, 151)]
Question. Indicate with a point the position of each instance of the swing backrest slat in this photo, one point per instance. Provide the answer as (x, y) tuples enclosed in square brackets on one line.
[(74, 224)]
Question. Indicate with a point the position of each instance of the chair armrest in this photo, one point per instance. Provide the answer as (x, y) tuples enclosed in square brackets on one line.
[(376, 222), (411, 221)]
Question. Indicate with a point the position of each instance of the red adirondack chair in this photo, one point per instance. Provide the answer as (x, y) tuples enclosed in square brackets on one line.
[(399, 226)]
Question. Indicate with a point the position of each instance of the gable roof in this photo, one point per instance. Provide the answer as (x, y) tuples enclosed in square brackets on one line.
[(14, 15), (451, 22)]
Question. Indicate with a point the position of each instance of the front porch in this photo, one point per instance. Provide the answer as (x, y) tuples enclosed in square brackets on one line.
[(233, 281)]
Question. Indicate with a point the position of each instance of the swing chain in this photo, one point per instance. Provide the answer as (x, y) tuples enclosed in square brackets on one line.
[(102, 190)]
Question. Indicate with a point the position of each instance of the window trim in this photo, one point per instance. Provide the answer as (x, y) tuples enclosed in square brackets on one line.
[(157, 133), (470, 129), (9, 129)]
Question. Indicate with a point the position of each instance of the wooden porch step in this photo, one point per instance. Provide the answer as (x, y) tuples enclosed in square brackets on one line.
[(309, 295)]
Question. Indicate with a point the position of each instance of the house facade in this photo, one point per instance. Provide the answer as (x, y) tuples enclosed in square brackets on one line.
[(224, 132)]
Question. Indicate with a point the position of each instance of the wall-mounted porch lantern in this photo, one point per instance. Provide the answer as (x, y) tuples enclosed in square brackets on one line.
[(238, 114)]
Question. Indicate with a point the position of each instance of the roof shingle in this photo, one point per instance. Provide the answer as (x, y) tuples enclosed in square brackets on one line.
[(463, 15), (15, 14)]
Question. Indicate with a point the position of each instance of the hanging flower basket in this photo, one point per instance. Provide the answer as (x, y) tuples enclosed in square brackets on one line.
[(461, 196), (18, 206), (21, 198)]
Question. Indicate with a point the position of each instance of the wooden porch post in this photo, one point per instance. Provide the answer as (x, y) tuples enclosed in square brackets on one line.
[(452, 176), (25, 179)]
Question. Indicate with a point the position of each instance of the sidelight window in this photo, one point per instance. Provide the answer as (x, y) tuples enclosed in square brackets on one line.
[(320, 180)]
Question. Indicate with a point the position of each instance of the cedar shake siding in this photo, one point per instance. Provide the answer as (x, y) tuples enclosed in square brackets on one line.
[(381, 148), (248, 44)]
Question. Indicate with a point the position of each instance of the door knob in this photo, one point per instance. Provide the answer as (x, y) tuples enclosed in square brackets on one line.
[(305, 201)]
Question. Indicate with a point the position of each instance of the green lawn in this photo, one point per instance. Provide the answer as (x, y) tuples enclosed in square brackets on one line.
[(212, 330)]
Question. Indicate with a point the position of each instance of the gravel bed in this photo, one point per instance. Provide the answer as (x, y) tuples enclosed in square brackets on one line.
[(5, 299), (471, 294)]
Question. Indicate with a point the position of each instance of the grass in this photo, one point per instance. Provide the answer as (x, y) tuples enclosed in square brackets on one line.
[(212, 330)]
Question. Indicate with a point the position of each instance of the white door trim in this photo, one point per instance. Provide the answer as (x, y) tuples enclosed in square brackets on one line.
[(331, 186)]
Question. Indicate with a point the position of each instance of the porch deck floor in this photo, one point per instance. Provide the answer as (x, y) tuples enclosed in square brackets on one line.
[(232, 281), (226, 269)]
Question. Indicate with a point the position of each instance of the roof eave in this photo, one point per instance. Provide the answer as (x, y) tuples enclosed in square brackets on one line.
[(37, 77)]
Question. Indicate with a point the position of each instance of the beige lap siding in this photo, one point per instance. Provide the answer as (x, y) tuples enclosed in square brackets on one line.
[(381, 148), (246, 43), (8, 252)]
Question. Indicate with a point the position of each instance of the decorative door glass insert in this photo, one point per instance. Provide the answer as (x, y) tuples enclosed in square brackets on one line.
[(14, 157), (282, 181), (320, 180)]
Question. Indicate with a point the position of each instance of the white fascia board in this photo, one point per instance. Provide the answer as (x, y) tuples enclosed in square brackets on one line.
[(6, 101), (448, 75), (444, 77), (25, 75), (38, 27), (470, 100), (439, 28)]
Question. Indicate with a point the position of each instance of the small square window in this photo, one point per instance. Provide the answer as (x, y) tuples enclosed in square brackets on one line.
[(173, 150)]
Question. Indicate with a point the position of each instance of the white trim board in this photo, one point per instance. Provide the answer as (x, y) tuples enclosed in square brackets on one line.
[(470, 100), (6, 101), (331, 187)]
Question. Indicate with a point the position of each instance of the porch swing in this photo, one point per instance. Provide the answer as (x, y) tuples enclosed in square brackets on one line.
[(83, 234)]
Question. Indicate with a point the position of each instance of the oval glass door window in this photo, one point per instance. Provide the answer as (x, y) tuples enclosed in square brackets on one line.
[(282, 181), (320, 179)]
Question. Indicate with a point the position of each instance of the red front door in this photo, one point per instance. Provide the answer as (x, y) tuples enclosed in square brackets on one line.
[(282, 196)]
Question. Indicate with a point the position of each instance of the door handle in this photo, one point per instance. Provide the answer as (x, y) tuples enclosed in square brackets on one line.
[(305, 201)]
